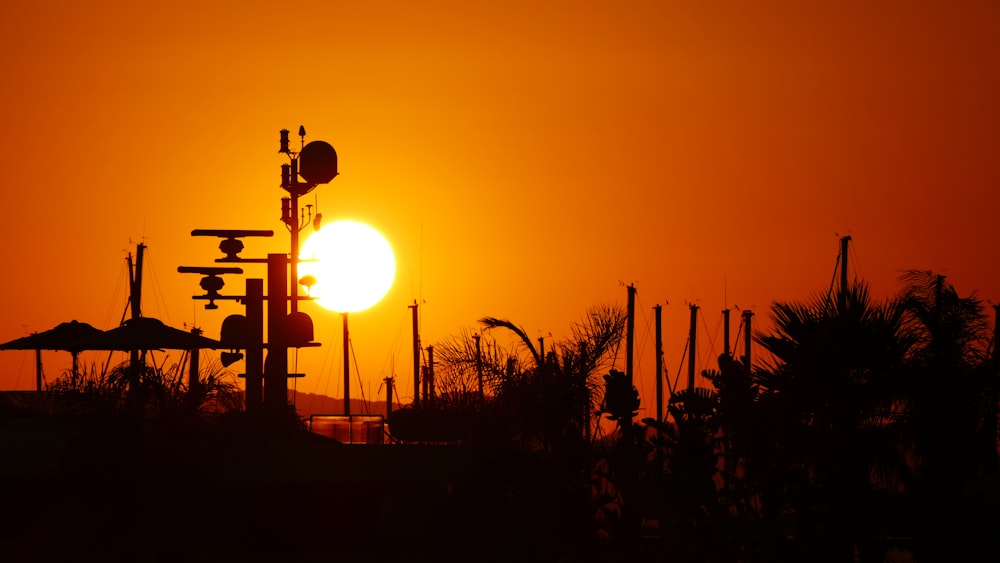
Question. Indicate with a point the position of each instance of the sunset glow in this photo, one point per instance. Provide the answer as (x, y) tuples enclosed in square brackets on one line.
[(527, 159)]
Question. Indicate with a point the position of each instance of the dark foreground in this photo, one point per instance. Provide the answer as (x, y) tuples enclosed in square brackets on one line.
[(97, 489)]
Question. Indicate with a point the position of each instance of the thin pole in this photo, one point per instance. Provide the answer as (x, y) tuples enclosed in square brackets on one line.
[(38, 370), (255, 347), (276, 365), (194, 360), (658, 310), (430, 376), (996, 335), (725, 331), (747, 335), (347, 369), (479, 368), (388, 396), (135, 295), (843, 271), (294, 229), (630, 334), (416, 355), (692, 347)]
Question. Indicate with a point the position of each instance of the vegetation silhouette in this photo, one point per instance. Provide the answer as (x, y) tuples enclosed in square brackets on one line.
[(868, 429), (860, 436)]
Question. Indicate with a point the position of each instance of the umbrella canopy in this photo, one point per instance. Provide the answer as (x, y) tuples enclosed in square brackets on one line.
[(146, 333), (68, 336)]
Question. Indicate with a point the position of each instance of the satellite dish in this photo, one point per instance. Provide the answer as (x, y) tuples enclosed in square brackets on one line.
[(318, 162)]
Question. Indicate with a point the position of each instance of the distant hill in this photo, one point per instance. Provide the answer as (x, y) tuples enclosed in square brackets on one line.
[(307, 404)]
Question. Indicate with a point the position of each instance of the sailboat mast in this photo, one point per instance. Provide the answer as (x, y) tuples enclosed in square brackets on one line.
[(630, 334), (416, 355), (135, 293), (658, 310), (692, 346), (747, 334), (725, 331), (843, 272), (135, 281)]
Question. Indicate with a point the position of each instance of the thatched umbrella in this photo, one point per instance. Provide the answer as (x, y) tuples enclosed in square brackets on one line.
[(147, 333), (69, 336)]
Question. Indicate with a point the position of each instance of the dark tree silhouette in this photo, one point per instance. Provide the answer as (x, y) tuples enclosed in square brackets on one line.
[(540, 409), (827, 398), (951, 401)]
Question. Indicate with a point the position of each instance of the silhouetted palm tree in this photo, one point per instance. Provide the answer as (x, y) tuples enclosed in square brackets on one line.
[(827, 399), (547, 402), (951, 401), (544, 406)]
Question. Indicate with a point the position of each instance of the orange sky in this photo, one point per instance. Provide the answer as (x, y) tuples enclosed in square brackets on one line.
[(525, 159)]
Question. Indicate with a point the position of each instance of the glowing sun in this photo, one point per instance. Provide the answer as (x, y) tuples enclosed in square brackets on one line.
[(351, 266)]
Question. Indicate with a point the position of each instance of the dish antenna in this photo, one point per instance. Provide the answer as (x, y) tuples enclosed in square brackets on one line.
[(318, 162)]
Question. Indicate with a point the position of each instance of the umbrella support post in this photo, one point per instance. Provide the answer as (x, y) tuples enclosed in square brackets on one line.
[(255, 347)]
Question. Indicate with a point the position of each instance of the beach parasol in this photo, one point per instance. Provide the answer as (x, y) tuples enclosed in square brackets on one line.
[(65, 336), (68, 336), (147, 333)]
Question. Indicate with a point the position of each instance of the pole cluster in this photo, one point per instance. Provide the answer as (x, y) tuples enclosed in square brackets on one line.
[(313, 164)]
